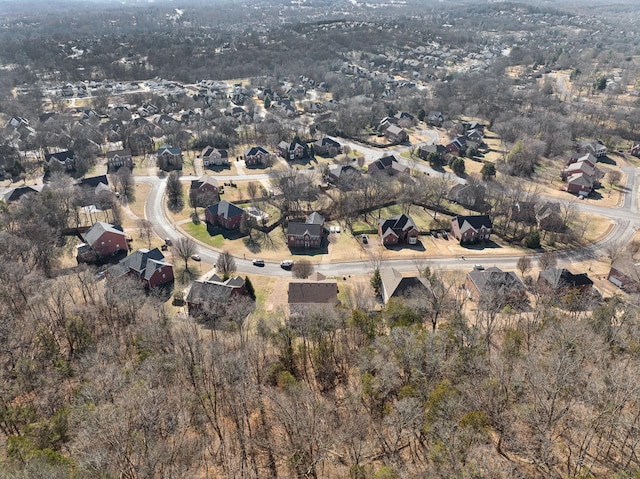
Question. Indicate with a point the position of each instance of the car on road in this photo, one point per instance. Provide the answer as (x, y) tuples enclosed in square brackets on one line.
[(168, 242), (196, 257), (365, 239), (337, 229), (445, 235), (332, 229), (286, 264), (478, 267), (258, 262)]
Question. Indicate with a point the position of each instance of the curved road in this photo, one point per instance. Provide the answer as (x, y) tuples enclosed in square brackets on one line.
[(626, 221)]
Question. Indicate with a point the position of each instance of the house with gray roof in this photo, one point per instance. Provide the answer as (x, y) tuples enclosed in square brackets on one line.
[(395, 285), (224, 214), (103, 239), (307, 234), (169, 157), (496, 288), (471, 229), (316, 289), (146, 265), (398, 229), (213, 294)]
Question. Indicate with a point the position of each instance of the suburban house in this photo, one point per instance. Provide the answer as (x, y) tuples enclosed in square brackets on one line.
[(468, 195), (63, 160), (625, 274), (102, 240), (146, 265), (293, 151), (435, 118), (395, 134), (581, 174), (596, 148), (327, 146), (169, 157), (213, 294), (256, 156), (475, 136), (635, 150), (313, 291), (549, 216), (118, 158), (395, 285), (398, 229), (224, 214), (204, 191), (496, 287), (425, 151), (307, 234), (404, 119), (563, 281), (343, 175), (471, 229), (457, 146), (389, 165), (14, 194), (580, 184), (524, 212), (214, 157)]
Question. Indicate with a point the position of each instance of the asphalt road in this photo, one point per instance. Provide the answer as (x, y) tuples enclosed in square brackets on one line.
[(626, 221)]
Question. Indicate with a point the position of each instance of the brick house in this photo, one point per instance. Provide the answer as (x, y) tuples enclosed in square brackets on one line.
[(389, 165), (293, 151), (471, 229), (213, 294), (105, 240), (256, 156), (327, 146), (204, 191), (398, 229), (496, 288), (315, 292), (63, 160), (307, 234), (119, 158), (146, 265), (562, 281), (395, 285), (169, 157), (224, 214), (395, 134), (214, 157), (625, 274)]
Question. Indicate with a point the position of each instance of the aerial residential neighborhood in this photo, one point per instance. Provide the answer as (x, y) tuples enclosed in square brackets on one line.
[(319, 239)]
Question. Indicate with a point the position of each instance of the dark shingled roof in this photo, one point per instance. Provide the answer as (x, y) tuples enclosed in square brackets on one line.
[(213, 291), (476, 221), (225, 209), (559, 278), (494, 280), (255, 150), (395, 285), (396, 223), (94, 181), (313, 292)]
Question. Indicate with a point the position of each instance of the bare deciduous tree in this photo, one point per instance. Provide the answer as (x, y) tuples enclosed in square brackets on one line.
[(302, 268), (226, 264), (184, 248)]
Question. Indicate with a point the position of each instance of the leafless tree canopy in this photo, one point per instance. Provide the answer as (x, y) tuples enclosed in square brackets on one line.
[(302, 268)]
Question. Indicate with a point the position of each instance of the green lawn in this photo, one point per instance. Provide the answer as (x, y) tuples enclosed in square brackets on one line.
[(200, 233)]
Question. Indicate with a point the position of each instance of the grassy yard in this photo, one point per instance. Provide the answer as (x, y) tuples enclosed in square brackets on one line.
[(200, 233)]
